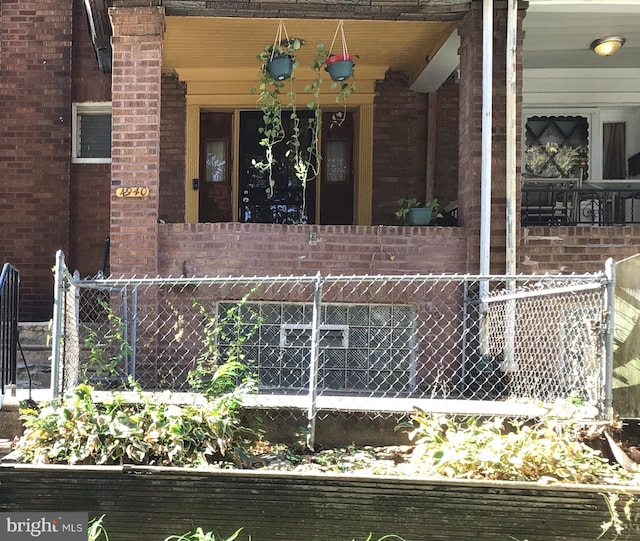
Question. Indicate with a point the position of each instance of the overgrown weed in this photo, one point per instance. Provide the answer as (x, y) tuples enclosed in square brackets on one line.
[(500, 449)]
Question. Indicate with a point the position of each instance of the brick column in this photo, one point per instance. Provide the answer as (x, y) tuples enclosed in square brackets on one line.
[(135, 151), (470, 138)]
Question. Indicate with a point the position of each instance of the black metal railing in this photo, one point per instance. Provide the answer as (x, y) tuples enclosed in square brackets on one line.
[(9, 286), (558, 205)]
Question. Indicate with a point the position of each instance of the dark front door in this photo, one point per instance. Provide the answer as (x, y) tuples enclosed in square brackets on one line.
[(336, 189), (215, 167), (288, 202)]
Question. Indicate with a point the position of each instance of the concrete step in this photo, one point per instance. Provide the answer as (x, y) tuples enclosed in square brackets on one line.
[(40, 374), (10, 406), (10, 423), (5, 447), (36, 347), (34, 333)]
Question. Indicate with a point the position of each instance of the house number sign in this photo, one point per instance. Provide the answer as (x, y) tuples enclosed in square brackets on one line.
[(132, 191)]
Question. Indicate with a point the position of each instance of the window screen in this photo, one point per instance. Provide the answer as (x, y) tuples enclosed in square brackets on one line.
[(94, 135)]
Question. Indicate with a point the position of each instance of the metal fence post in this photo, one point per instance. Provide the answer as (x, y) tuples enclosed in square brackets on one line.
[(133, 333), (609, 329), (313, 363), (56, 331)]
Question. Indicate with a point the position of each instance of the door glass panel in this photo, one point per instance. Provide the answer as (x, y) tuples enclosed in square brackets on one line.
[(214, 192), (289, 202), (337, 160), (337, 184), (216, 161)]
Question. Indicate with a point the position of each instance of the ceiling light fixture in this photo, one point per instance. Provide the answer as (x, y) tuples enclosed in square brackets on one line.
[(607, 46)]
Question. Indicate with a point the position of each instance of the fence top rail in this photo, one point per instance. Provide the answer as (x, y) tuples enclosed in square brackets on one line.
[(147, 281), (537, 292)]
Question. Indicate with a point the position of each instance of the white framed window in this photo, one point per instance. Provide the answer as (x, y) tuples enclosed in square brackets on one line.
[(91, 132)]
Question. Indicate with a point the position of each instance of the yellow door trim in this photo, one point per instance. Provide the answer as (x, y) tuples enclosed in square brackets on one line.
[(192, 164)]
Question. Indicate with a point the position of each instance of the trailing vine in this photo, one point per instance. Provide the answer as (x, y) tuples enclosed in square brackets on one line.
[(270, 101)]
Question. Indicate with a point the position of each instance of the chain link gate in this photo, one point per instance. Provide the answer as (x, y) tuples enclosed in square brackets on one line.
[(374, 344)]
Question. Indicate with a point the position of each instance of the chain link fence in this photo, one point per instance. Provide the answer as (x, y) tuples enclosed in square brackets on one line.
[(369, 344)]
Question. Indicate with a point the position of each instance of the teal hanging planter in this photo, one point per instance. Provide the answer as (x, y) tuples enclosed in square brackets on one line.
[(340, 66), (280, 67)]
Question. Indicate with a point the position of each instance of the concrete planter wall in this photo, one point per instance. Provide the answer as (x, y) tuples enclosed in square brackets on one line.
[(151, 503)]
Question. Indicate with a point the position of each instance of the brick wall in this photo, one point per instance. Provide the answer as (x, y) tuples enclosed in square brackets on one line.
[(35, 131), (399, 141), (470, 126), (446, 156), (262, 249), (90, 183), (172, 150), (575, 249)]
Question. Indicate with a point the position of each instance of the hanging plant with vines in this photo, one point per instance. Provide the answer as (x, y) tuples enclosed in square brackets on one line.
[(271, 92), (302, 135)]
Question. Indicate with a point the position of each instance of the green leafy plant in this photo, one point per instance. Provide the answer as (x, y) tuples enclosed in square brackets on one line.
[(144, 429), (222, 365), (200, 535), (107, 345), (506, 450), (555, 160), (97, 533), (406, 204), (616, 522), (96, 530), (384, 538)]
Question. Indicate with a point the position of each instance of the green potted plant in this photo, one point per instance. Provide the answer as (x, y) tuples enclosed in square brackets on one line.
[(413, 212), (277, 64), (278, 60)]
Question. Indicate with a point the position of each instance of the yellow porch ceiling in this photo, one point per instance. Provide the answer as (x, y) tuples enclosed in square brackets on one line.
[(214, 45)]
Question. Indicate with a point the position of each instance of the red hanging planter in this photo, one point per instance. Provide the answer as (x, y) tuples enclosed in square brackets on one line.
[(340, 66)]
